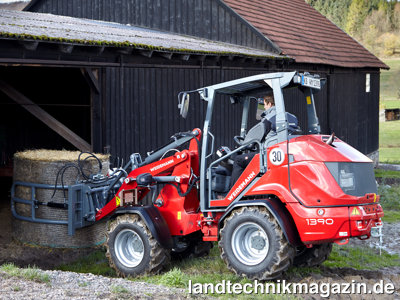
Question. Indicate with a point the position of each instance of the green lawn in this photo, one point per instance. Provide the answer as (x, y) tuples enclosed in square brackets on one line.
[(389, 132), (389, 142), (390, 84)]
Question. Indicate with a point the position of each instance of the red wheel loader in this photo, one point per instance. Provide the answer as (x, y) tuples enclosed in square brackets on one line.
[(297, 196)]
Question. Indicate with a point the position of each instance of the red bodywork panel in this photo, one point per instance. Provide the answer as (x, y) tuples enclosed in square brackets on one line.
[(180, 213), (320, 209)]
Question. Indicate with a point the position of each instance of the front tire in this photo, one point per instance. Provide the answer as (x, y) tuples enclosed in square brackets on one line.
[(253, 245), (131, 248)]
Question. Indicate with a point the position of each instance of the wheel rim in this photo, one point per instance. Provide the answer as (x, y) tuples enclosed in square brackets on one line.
[(250, 244), (129, 248)]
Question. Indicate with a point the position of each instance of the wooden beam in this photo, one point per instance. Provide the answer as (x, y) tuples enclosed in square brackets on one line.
[(125, 50), (91, 79), (201, 57), (46, 118), (66, 48), (166, 55), (29, 45), (99, 49), (184, 57), (146, 53)]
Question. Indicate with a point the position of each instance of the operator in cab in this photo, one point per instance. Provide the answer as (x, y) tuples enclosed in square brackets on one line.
[(268, 117)]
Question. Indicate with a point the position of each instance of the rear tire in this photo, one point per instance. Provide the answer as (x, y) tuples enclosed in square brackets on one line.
[(314, 256), (131, 248), (253, 245)]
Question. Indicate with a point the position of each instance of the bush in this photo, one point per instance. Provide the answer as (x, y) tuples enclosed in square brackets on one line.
[(390, 197)]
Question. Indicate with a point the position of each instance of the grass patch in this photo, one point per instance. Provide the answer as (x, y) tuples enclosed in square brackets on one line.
[(389, 83), (118, 289), (390, 201), (389, 104), (390, 197), (391, 216), (389, 132), (204, 270), (389, 142), (360, 258), (95, 263), (174, 278), (381, 173), (209, 269), (30, 273), (302, 271)]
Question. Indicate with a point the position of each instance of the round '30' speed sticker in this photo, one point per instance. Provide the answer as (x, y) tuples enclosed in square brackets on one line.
[(276, 156)]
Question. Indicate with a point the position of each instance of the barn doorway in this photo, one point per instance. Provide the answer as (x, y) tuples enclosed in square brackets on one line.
[(63, 93)]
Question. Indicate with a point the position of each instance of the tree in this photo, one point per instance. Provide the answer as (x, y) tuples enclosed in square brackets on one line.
[(379, 19), (391, 42), (334, 10), (396, 16), (358, 11)]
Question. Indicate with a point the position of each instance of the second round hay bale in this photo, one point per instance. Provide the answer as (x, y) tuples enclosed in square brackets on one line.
[(42, 166)]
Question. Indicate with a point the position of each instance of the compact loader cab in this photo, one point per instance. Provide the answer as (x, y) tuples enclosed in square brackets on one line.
[(245, 91)]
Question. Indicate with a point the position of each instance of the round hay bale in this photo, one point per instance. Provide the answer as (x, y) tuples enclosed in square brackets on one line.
[(42, 166)]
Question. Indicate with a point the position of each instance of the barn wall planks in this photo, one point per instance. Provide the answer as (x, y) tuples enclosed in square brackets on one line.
[(136, 109), (141, 107), (145, 115)]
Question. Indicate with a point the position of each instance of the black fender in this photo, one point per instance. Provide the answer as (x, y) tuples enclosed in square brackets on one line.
[(277, 209), (154, 221)]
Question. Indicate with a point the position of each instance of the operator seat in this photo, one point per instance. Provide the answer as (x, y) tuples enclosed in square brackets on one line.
[(256, 133)]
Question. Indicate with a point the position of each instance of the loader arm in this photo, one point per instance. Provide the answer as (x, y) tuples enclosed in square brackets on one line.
[(132, 192)]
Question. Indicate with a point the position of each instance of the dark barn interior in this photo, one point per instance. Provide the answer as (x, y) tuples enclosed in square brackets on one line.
[(61, 92)]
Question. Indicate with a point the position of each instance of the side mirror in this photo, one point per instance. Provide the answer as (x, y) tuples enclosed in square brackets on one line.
[(183, 104)]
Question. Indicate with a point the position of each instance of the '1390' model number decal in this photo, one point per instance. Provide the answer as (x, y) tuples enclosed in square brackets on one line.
[(314, 222)]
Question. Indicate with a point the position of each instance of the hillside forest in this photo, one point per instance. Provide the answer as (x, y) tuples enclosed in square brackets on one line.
[(373, 23)]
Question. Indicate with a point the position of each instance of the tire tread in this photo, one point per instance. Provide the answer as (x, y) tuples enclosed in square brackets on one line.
[(159, 256)]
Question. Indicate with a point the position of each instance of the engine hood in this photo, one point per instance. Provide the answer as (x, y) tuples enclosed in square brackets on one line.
[(314, 148)]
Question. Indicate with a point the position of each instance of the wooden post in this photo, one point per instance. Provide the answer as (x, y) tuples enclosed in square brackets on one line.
[(45, 117)]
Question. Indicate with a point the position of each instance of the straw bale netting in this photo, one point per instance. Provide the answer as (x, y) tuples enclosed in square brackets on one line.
[(42, 166)]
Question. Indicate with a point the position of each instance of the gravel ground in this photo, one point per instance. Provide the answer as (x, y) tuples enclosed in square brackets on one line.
[(69, 285)]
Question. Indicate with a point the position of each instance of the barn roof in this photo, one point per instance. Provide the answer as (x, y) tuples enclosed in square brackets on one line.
[(47, 27), (304, 34)]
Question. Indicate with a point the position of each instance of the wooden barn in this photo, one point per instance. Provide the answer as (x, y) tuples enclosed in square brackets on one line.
[(104, 75)]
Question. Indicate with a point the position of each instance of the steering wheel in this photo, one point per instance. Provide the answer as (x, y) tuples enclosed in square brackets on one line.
[(238, 139)]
